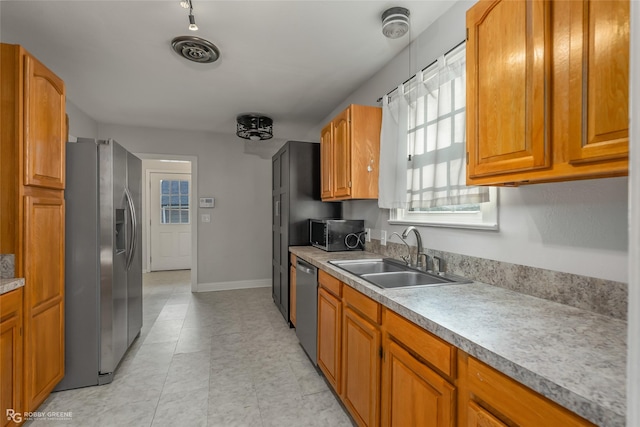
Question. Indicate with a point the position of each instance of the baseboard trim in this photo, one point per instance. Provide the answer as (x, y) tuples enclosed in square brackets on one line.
[(229, 286)]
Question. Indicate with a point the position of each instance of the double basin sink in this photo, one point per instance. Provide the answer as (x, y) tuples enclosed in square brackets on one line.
[(388, 273)]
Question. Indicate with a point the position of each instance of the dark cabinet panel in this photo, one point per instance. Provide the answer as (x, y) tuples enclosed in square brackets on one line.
[(295, 199)]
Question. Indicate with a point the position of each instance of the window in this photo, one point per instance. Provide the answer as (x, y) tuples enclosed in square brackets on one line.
[(425, 120), (174, 201)]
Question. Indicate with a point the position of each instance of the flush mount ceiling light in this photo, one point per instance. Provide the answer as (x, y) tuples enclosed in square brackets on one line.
[(254, 127), (395, 22)]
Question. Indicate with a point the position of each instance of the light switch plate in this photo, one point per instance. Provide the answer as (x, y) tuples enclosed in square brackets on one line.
[(205, 218), (367, 234), (383, 237)]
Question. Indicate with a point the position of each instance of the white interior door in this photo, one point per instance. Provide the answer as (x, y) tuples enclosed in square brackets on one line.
[(170, 221)]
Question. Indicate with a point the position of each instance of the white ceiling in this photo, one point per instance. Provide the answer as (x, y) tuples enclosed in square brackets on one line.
[(294, 61)]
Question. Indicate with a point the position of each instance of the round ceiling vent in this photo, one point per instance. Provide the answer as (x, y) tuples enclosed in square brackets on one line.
[(195, 49), (395, 22)]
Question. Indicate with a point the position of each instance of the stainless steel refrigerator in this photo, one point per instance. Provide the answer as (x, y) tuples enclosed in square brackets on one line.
[(103, 284)]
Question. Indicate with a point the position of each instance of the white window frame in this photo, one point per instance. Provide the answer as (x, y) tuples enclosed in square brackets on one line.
[(486, 219)]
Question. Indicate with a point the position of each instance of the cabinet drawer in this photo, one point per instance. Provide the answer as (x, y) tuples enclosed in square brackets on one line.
[(438, 353), (361, 303), (330, 283), (516, 402)]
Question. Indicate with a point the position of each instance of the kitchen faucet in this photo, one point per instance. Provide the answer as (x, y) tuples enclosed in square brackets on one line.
[(406, 258), (420, 253)]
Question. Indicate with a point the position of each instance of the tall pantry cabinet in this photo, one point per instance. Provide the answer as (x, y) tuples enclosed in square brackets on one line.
[(296, 198), (32, 157)]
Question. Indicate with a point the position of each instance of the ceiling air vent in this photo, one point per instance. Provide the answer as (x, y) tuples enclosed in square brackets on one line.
[(195, 49)]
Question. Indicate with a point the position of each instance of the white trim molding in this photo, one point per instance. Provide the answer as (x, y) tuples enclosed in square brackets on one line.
[(230, 286), (633, 322)]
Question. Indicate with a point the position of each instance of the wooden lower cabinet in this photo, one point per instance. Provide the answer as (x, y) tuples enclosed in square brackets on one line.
[(361, 368), (10, 355), (329, 336), (388, 371), (44, 297), (412, 393), (489, 398)]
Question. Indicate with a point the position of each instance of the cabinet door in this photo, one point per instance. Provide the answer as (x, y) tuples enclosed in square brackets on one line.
[(10, 355), (361, 368), (326, 162), (44, 126), (329, 334), (599, 115), (479, 417), (342, 154), (507, 84), (413, 394), (44, 297)]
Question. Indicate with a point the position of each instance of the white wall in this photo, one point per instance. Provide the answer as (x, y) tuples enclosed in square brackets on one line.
[(576, 227), (80, 124), (236, 245)]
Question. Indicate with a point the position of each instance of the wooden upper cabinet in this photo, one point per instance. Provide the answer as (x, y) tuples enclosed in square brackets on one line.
[(44, 126), (350, 154), (547, 90), (600, 64), (342, 154), (507, 80), (326, 162)]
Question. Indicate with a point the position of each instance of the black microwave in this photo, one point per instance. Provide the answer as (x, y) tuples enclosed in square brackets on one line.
[(334, 235)]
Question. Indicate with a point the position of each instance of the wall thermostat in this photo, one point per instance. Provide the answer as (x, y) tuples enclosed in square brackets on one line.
[(207, 202)]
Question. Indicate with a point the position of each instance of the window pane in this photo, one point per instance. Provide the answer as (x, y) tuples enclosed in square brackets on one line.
[(174, 187), (184, 187), (164, 201), (184, 201), (175, 200), (185, 216), (164, 187), (175, 216)]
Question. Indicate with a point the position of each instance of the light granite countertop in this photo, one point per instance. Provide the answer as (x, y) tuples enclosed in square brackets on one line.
[(8, 285), (574, 357)]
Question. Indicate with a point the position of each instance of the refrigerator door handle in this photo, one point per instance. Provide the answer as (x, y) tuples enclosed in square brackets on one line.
[(134, 227)]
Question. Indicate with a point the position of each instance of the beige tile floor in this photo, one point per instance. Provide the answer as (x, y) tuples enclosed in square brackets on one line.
[(207, 359)]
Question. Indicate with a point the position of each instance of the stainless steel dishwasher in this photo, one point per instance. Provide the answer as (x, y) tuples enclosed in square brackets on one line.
[(307, 307)]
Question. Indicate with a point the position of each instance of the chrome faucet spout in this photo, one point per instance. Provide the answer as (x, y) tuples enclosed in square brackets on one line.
[(420, 253)]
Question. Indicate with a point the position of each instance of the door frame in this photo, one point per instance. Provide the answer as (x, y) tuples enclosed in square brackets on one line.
[(193, 206)]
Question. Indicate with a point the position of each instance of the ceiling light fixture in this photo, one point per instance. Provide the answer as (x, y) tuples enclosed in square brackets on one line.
[(254, 127), (188, 4), (192, 23), (395, 22)]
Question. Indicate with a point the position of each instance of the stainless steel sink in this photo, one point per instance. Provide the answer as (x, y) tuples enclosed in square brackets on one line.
[(399, 279), (389, 273), (367, 266)]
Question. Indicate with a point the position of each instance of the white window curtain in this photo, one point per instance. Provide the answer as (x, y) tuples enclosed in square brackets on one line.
[(422, 141)]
